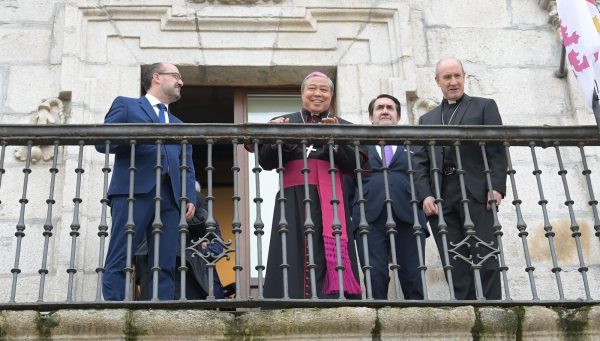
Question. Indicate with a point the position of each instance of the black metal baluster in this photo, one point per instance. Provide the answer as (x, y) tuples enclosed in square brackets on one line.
[(283, 224), (201, 247), (48, 227), (130, 224), (336, 225), (183, 225), (2, 170), (103, 226), (547, 226), (363, 226), (496, 225), (390, 224), (309, 225), (20, 234), (419, 234), (258, 222), (236, 224), (471, 239), (574, 226), (210, 220), (157, 224), (521, 225), (75, 226), (442, 227), (593, 202)]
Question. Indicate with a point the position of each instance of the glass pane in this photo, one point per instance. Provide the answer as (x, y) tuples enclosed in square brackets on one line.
[(261, 108)]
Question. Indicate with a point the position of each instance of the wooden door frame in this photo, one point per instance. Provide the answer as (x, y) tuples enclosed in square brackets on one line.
[(240, 115)]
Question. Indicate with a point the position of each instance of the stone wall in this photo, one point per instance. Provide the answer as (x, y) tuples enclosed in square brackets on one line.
[(87, 52), (426, 323)]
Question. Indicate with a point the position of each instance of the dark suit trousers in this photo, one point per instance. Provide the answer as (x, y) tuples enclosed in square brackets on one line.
[(406, 254), (113, 281), (462, 274)]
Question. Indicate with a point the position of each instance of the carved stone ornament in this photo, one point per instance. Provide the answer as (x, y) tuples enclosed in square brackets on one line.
[(550, 6), (235, 2), (553, 18), (50, 111), (423, 106)]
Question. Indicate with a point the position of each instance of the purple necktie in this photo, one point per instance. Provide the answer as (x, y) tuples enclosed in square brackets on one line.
[(389, 154)]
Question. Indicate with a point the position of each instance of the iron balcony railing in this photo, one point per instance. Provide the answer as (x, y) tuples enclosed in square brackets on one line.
[(69, 278)]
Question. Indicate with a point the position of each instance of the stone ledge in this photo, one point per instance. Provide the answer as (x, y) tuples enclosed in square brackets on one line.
[(456, 323)]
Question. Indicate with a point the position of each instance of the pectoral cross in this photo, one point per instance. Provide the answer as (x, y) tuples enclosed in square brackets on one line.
[(309, 149)]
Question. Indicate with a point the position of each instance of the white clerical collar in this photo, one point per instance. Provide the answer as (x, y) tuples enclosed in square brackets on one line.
[(451, 102)]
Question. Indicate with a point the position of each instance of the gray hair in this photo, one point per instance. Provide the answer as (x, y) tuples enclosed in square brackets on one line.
[(437, 65), (316, 74)]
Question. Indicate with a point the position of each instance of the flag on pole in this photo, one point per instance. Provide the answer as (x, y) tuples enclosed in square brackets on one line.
[(580, 30)]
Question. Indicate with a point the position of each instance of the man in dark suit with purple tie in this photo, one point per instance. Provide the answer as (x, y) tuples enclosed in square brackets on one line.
[(385, 110), (163, 85)]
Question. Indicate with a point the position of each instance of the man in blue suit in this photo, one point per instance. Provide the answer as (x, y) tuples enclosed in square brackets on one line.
[(385, 110), (163, 87)]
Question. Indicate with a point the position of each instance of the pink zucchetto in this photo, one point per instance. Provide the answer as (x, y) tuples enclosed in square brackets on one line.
[(317, 74)]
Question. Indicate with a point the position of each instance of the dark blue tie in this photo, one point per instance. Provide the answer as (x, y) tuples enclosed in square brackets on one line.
[(161, 118), (161, 112)]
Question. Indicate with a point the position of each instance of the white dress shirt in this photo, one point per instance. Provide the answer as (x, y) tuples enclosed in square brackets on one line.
[(154, 101)]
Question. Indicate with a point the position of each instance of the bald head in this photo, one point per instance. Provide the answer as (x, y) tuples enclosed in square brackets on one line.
[(446, 61)]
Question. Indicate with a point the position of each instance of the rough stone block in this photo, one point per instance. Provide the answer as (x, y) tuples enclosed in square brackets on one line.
[(28, 85), (496, 323), (161, 324), (106, 324), (528, 13), (310, 323), (371, 78), (20, 324), (347, 87), (3, 81), (538, 321), (503, 47), (426, 85), (432, 322), (484, 14), (28, 11), (22, 44), (542, 98)]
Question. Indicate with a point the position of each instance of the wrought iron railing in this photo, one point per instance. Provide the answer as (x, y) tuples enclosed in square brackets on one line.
[(72, 149)]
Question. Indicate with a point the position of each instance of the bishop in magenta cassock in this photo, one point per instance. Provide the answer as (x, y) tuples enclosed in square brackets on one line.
[(317, 91)]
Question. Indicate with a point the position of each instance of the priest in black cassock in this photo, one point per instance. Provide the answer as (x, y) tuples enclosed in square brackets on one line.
[(317, 91)]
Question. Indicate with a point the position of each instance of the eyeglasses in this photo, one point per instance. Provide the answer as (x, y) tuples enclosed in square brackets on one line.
[(174, 74)]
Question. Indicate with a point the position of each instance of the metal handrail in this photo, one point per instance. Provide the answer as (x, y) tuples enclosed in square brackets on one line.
[(72, 134)]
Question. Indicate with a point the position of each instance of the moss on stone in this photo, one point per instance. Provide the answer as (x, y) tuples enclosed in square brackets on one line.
[(132, 331), (3, 332), (520, 312), (376, 331), (573, 322), (45, 323), (478, 327), (239, 330)]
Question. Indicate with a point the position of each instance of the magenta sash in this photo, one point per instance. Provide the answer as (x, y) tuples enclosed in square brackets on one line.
[(320, 177)]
